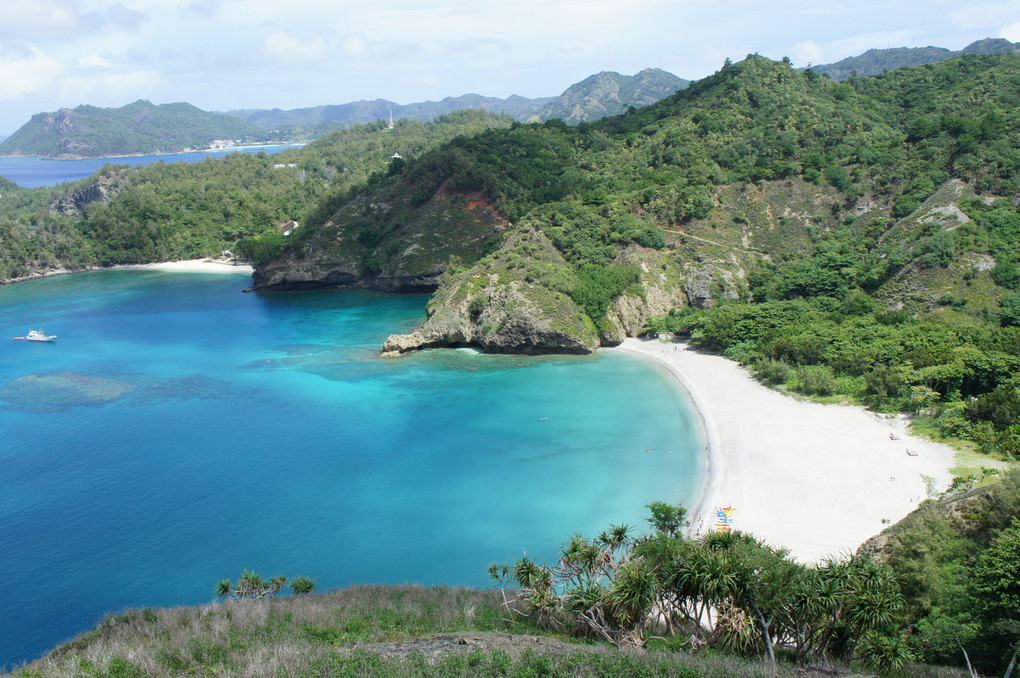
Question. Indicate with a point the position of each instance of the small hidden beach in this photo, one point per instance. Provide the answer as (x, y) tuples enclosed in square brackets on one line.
[(816, 479), (194, 265)]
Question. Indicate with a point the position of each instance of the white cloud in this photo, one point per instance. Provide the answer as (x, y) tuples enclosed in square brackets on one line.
[(93, 61), (24, 69), (356, 47), (805, 53), (1011, 32), (60, 19), (288, 47)]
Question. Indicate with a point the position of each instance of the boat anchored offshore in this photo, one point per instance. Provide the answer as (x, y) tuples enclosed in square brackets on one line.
[(37, 335)]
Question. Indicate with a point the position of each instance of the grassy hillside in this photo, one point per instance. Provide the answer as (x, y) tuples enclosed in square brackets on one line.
[(377, 631)]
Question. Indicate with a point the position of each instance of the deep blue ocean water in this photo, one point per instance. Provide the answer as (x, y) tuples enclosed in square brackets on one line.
[(36, 172), (179, 431)]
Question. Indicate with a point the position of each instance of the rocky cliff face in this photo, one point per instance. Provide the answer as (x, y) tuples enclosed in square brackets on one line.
[(506, 303), (518, 301), (100, 188)]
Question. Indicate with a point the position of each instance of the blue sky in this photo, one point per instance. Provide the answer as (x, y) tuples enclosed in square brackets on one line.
[(226, 54)]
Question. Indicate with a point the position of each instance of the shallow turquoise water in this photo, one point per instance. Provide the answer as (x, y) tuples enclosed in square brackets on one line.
[(179, 431)]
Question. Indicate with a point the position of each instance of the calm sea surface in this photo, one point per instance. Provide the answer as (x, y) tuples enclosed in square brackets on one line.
[(36, 172), (179, 431)]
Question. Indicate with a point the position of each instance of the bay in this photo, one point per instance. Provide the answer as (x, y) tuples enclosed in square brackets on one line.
[(179, 431), (38, 172)]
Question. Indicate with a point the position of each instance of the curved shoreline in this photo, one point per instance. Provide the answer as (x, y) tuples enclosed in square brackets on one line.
[(816, 479)]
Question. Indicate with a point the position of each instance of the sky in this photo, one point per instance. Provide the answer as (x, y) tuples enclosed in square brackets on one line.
[(233, 54)]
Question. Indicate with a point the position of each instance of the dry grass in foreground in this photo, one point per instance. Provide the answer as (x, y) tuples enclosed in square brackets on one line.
[(362, 631)]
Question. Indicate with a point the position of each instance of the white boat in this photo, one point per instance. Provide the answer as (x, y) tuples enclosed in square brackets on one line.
[(39, 335)]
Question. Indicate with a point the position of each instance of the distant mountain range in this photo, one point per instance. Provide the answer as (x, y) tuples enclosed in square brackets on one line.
[(143, 128), (355, 112), (597, 96), (876, 61)]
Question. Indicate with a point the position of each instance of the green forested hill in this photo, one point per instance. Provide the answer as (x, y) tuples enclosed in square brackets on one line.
[(140, 128)]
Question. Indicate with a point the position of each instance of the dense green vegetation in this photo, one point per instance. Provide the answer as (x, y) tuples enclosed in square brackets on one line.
[(168, 211), (872, 223), (957, 562), (867, 228), (140, 128)]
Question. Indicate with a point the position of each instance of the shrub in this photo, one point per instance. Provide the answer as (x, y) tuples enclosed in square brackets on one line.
[(772, 371), (816, 380)]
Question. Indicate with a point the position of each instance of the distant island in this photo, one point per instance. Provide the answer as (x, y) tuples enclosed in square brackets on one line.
[(140, 128)]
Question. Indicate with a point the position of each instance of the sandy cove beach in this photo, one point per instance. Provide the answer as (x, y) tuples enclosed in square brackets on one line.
[(202, 265), (816, 479)]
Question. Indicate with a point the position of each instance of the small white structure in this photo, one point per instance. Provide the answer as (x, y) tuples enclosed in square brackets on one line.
[(289, 227)]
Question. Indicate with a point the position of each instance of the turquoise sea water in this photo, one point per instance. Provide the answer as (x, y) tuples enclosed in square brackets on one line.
[(179, 431), (36, 172)]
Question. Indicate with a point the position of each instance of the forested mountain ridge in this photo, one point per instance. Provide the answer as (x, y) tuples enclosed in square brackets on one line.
[(876, 61), (140, 128)]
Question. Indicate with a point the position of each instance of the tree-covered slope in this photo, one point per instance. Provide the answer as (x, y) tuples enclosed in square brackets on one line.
[(958, 560), (140, 128)]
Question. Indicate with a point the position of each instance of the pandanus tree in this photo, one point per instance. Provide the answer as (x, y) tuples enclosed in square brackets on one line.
[(726, 589)]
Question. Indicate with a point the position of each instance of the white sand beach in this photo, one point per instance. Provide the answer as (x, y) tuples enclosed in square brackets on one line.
[(202, 265), (816, 479)]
